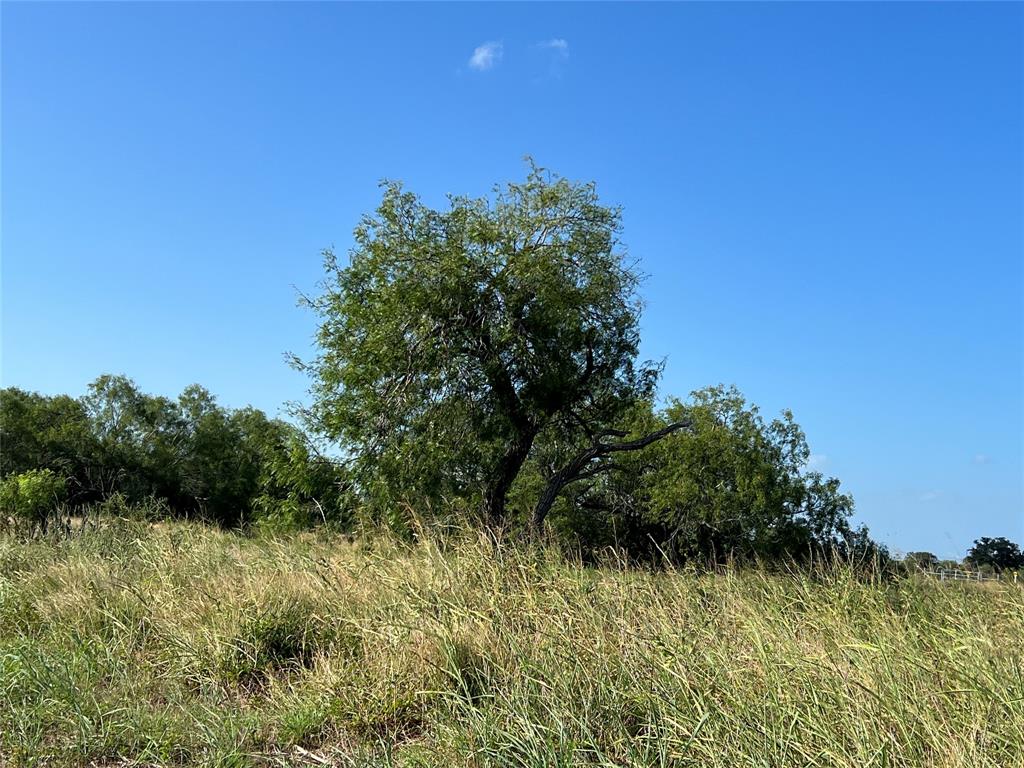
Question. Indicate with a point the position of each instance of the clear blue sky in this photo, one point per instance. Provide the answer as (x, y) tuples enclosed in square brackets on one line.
[(827, 198)]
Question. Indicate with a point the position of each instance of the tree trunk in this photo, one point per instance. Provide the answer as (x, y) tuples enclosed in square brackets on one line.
[(504, 475), (547, 500)]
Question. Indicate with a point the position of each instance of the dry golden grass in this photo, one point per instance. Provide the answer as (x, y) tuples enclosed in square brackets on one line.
[(182, 645)]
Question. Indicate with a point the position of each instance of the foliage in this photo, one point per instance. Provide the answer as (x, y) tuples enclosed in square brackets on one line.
[(300, 488), (184, 645), (999, 553), (39, 432), (30, 496), (201, 459), (451, 339), (137, 442), (733, 485)]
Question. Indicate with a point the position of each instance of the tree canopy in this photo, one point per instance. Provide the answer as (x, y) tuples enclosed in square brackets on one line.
[(201, 459), (998, 553), (450, 340), (731, 485)]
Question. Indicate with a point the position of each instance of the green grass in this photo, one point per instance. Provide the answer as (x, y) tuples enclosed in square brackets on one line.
[(179, 645)]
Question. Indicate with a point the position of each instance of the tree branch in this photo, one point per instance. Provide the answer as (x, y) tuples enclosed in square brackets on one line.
[(580, 467), (643, 442)]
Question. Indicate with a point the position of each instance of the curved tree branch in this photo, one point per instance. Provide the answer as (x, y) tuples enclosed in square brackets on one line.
[(583, 465)]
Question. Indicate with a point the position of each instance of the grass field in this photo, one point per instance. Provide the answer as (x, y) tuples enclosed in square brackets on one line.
[(183, 645)]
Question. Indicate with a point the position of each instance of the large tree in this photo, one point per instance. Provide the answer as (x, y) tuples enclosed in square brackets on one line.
[(451, 339), (1000, 553)]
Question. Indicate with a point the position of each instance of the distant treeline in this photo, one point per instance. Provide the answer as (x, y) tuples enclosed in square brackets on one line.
[(187, 457)]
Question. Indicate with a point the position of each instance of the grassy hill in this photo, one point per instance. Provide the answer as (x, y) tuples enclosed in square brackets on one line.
[(178, 644)]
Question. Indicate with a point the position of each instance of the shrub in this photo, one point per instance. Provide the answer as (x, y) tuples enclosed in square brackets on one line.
[(284, 633), (30, 496)]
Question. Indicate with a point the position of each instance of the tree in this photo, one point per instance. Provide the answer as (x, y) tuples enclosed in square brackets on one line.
[(220, 464), (138, 439), (40, 432), (240, 465), (222, 450), (1000, 553), (299, 487), (452, 339), (732, 485)]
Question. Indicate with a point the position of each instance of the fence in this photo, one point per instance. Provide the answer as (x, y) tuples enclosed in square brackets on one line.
[(946, 574)]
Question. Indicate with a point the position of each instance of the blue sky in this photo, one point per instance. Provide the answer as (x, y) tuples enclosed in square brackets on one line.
[(827, 200)]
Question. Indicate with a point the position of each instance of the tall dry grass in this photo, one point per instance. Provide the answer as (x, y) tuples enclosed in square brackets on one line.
[(181, 645)]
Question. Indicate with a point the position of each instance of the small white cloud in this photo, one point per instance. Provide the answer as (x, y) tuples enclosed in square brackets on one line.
[(486, 56), (982, 458), (816, 461), (930, 496), (557, 44)]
